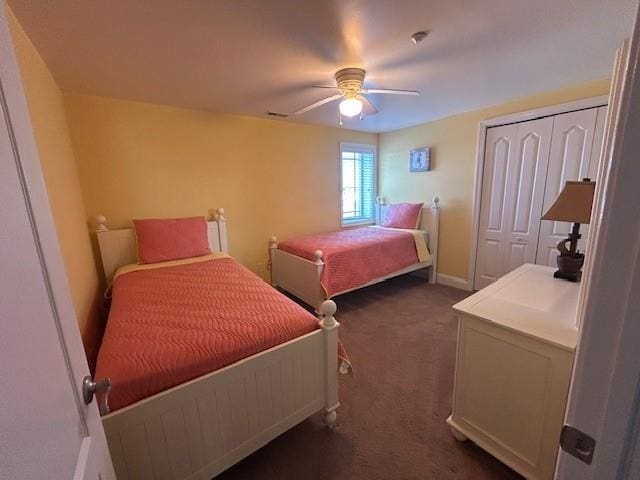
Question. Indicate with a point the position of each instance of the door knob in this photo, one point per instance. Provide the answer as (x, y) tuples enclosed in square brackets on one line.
[(90, 388)]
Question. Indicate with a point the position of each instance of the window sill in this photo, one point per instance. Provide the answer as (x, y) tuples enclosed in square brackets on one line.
[(357, 223)]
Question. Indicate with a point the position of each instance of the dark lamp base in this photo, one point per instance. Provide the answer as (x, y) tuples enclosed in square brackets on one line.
[(569, 267)]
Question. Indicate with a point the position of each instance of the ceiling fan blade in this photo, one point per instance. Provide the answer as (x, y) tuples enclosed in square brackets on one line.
[(317, 104), (390, 91), (332, 87), (368, 108)]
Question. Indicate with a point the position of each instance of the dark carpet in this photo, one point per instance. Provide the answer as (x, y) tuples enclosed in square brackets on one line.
[(401, 337)]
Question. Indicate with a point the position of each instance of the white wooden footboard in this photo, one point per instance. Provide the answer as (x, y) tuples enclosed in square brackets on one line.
[(297, 275), (202, 427)]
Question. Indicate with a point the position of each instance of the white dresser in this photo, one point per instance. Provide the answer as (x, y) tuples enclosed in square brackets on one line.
[(516, 342)]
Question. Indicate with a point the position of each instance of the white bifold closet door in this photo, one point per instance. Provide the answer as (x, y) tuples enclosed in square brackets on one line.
[(526, 166), (575, 152), (513, 185)]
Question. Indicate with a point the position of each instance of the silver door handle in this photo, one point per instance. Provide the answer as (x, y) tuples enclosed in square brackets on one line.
[(90, 388)]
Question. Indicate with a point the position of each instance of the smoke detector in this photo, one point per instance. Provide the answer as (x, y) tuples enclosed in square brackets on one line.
[(419, 36)]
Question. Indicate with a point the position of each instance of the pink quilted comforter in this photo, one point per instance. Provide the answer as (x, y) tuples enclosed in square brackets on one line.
[(173, 324), (355, 257)]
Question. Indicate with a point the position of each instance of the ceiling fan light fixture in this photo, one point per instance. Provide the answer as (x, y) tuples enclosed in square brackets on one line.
[(351, 94), (350, 107)]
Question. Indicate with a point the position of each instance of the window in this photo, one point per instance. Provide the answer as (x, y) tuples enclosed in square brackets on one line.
[(358, 172)]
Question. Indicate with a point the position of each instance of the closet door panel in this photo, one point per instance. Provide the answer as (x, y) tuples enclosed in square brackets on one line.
[(497, 158), (526, 190), (569, 159), (496, 202)]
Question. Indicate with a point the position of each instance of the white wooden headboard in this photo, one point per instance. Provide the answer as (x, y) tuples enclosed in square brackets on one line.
[(429, 222), (118, 247)]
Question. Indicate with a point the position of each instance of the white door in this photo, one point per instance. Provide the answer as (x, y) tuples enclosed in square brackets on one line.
[(571, 158), (515, 166), (498, 147), (46, 430)]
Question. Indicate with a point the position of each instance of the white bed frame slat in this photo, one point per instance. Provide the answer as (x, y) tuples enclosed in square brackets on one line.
[(200, 428), (301, 277), (158, 448)]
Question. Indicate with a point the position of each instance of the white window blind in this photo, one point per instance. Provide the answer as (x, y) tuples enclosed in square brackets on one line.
[(358, 171)]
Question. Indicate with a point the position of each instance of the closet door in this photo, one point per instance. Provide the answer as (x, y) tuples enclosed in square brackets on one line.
[(515, 167), (525, 182), (574, 156), (497, 156)]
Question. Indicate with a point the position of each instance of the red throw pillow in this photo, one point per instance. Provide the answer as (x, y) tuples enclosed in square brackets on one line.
[(161, 240), (403, 215)]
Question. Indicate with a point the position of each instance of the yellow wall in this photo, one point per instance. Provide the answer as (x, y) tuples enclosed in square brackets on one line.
[(453, 142), (142, 160), (63, 187)]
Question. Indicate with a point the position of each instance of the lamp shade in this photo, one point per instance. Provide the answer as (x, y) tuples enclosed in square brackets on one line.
[(573, 204)]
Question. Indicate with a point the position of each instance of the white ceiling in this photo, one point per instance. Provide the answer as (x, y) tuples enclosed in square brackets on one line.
[(253, 56)]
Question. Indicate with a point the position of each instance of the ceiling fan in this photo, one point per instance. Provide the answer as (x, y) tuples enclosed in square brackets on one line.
[(349, 82)]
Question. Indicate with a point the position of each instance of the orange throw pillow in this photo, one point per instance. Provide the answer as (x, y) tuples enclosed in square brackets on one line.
[(403, 215), (161, 240)]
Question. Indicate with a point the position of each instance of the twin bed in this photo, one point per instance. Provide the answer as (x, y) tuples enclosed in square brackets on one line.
[(209, 363), (315, 268)]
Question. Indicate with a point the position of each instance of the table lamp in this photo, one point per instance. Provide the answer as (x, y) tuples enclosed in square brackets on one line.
[(572, 205)]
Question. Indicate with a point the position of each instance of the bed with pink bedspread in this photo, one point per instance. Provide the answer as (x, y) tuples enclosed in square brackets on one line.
[(171, 323), (352, 258)]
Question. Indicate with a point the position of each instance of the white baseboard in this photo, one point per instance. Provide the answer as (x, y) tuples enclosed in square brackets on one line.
[(451, 281)]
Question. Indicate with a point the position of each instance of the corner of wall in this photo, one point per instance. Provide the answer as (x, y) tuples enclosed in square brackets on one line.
[(57, 160)]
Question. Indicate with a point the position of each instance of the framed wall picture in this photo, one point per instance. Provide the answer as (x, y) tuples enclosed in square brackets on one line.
[(420, 159)]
